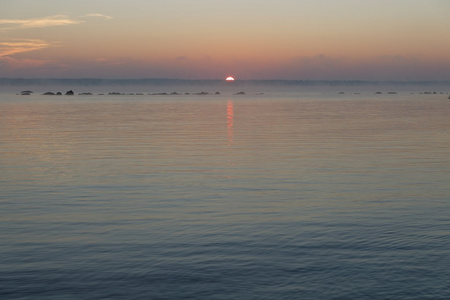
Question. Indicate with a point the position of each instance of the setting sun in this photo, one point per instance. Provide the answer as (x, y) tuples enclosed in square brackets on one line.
[(229, 78)]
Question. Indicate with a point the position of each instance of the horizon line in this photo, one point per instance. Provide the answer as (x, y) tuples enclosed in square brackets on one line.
[(218, 79)]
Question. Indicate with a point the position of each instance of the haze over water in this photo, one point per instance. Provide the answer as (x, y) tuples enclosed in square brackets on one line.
[(281, 195)]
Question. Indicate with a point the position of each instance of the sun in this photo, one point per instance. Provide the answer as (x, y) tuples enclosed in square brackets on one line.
[(229, 78)]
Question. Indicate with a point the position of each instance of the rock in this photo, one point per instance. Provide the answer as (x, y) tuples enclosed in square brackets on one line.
[(59, 93), (69, 93), (240, 93), (48, 93)]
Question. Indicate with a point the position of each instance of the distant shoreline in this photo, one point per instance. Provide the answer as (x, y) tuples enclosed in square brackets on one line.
[(200, 82)]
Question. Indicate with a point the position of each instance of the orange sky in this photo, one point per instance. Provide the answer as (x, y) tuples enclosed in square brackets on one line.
[(348, 39)]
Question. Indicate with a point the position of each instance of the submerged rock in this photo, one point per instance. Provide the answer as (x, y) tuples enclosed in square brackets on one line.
[(48, 94), (70, 93)]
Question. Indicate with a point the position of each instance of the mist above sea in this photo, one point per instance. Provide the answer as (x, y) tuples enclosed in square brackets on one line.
[(167, 85)]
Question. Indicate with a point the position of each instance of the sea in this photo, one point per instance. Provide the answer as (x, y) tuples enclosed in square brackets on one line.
[(225, 191)]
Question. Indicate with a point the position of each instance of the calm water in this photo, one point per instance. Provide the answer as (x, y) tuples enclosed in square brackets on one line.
[(225, 197)]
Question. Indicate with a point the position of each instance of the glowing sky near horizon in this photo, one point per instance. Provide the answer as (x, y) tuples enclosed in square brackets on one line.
[(209, 39)]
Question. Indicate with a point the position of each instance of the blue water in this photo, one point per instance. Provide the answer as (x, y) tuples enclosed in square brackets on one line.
[(274, 196)]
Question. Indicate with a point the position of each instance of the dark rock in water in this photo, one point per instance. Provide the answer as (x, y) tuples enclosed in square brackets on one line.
[(217, 93), (85, 94), (59, 93), (70, 93), (49, 93), (240, 93), (378, 93), (26, 93)]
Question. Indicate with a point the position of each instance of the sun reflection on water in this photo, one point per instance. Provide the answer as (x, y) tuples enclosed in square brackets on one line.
[(230, 117)]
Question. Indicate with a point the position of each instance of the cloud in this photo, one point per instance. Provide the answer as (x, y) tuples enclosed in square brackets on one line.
[(96, 15), (10, 48), (10, 63), (56, 20)]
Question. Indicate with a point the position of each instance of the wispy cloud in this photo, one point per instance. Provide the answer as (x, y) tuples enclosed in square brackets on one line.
[(96, 15), (9, 48), (56, 20)]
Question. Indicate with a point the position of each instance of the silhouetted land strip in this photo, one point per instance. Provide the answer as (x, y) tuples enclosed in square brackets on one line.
[(168, 81)]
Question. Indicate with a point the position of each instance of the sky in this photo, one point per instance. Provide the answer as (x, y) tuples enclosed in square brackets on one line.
[(211, 39)]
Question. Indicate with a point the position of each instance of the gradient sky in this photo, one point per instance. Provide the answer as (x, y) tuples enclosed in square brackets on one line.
[(209, 39)]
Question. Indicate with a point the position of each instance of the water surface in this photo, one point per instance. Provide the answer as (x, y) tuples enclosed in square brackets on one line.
[(283, 196)]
